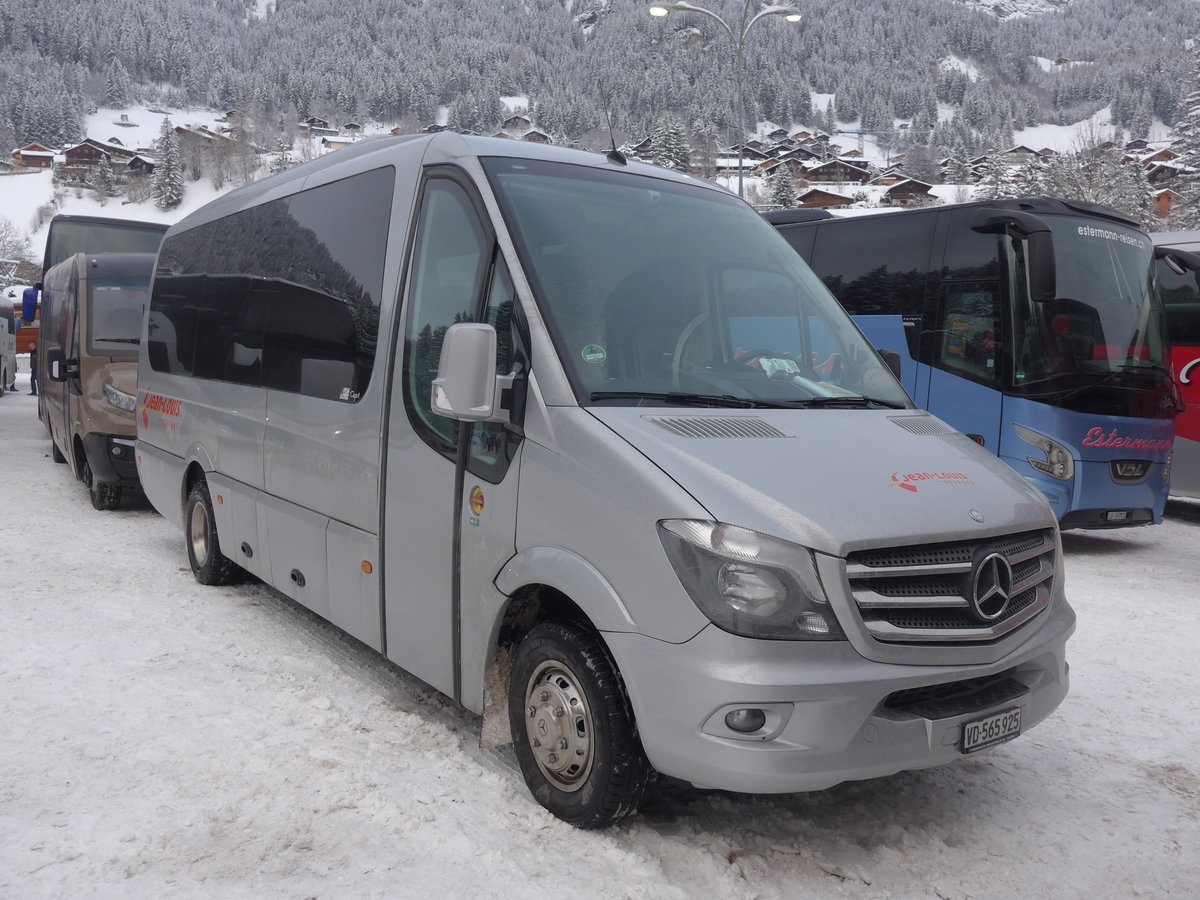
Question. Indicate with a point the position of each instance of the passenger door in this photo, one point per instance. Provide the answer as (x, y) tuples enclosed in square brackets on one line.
[(450, 488)]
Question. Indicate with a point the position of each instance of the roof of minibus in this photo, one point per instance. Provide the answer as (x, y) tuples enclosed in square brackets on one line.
[(1184, 240), (441, 147)]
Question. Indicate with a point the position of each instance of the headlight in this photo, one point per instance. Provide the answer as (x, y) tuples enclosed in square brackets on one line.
[(1059, 463), (119, 399), (749, 583)]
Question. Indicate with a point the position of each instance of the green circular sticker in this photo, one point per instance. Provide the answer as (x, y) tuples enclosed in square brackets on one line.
[(594, 353)]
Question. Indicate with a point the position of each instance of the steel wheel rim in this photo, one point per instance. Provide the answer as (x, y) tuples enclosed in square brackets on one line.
[(558, 726), (199, 534)]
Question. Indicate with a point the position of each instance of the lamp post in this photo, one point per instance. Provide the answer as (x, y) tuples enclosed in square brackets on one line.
[(738, 38)]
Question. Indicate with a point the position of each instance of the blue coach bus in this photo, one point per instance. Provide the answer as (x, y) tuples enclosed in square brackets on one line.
[(1033, 325)]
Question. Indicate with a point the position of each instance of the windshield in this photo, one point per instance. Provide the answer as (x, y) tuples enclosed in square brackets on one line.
[(1100, 345), (115, 318), (67, 238), (664, 293)]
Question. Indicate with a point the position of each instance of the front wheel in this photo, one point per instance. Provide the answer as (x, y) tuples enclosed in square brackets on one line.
[(209, 564), (103, 496), (573, 728)]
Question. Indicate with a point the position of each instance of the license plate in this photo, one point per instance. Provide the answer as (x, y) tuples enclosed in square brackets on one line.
[(995, 729), (1116, 515)]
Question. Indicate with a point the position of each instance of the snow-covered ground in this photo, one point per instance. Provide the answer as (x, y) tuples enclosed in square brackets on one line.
[(162, 739)]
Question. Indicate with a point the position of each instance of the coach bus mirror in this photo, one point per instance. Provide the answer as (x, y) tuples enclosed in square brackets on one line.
[(465, 387), (1180, 262), (891, 359), (56, 364), (1039, 243)]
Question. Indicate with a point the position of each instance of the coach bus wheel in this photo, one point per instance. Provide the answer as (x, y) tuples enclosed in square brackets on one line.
[(572, 727), (209, 564)]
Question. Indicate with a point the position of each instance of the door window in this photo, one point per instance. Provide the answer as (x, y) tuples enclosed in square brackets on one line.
[(968, 331), (449, 264)]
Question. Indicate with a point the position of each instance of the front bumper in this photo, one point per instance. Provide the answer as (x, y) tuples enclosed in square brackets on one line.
[(831, 715), (112, 459)]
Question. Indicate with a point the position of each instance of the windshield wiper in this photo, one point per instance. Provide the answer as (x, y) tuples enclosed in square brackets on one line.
[(679, 398), (851, 402), (120, 340)]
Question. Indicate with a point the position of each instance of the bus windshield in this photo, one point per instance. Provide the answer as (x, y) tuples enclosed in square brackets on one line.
[(70, 235), (115, 317), (663, 293), (1101, 343)]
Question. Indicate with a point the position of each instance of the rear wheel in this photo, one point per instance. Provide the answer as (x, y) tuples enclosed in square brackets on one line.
[(104, 496), (209, 564), (573, 728)]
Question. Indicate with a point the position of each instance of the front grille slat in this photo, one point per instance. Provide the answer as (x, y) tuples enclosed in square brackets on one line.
[(924, 594)]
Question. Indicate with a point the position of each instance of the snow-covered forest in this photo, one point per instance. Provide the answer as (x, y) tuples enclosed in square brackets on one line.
[(398, 61)]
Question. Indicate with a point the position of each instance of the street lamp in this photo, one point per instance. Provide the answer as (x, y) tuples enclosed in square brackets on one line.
[(747, 22)]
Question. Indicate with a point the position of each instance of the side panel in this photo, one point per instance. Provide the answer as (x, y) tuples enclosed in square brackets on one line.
[(1185, 472), (296, 543)]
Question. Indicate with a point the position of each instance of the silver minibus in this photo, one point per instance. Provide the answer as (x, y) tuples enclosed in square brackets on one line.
[(583, 444)]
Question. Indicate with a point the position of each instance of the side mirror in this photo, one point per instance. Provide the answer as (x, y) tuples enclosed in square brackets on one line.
[(56, 364), (467, 387), (1039, 242), (891, 359)]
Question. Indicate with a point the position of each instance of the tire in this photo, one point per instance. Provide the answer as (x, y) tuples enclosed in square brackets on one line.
[(209, 564), (103, 496), (573, 728)]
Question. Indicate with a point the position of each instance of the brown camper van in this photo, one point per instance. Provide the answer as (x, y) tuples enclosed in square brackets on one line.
[(92, 306)]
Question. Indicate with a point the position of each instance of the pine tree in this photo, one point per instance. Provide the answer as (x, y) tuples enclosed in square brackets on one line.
[(783, 188), (116, 85), (103, 179), (168, 170), (669, 147)]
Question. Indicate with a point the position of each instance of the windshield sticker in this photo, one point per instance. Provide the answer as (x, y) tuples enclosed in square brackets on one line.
[(1105, 234), (1114, 440), (909, 481), (594, 353)]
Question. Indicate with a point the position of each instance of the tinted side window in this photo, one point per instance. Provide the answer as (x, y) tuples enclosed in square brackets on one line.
[(285, 294), (969, 254), (877, 266), (1182, 300)]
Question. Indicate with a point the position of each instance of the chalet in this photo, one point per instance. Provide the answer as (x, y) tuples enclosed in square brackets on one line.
[(815, 198), (802, 154), (755, 145), (337, 142), (316, 122), (141, 165), (801, 135), (889, 178), (33, 156), (778, 134), (1159, 173), (81, 158), (1164, 201), (516, 123), (352, 128), (536, 137), (838, 172), (1019, 155), (504, 135), (1137, 145), (320, 131), (433, 129), (793, 166), (908, 193), (1164, 155)]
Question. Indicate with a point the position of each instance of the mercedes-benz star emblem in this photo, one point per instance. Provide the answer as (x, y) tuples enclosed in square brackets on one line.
[(992, 587)]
